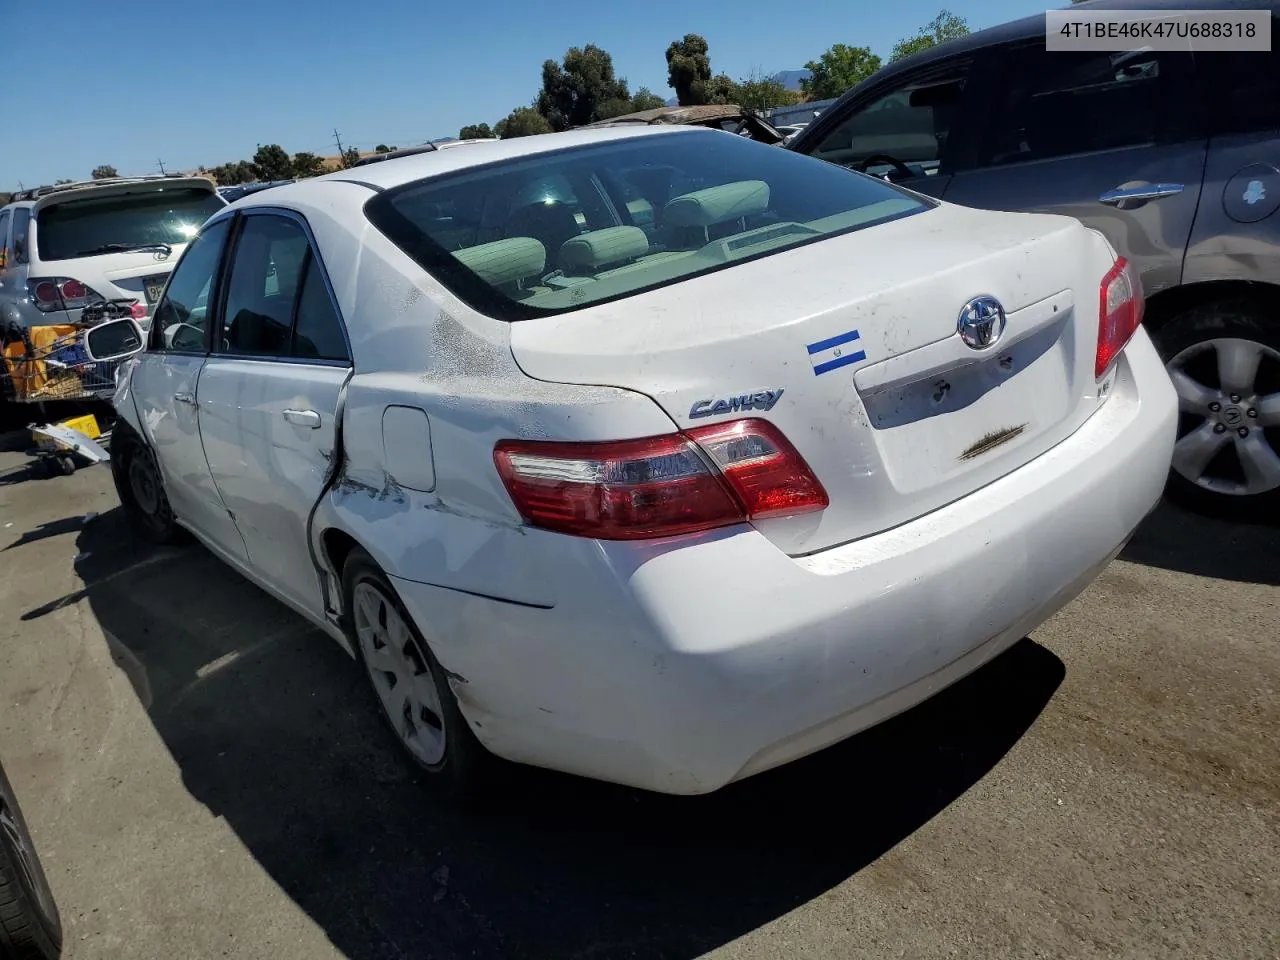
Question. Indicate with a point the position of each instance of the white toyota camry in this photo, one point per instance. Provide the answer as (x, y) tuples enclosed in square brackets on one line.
[(661, 457)]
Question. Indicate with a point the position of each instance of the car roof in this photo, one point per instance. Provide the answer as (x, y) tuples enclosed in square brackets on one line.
[(401, 170)]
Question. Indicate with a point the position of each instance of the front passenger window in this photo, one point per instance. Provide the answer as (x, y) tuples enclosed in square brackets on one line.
[(182, 314)]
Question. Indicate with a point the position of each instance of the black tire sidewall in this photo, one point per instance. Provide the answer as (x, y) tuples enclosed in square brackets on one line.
[(1229, 319), (160, 528), (46, 926), (467, 766)]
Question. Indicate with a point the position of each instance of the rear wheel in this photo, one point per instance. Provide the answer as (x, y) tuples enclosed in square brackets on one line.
[(1224, 360), (141, 488), (411, 687), (30, 928)]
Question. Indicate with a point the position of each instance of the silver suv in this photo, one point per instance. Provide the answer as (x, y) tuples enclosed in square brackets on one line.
[(64, 247), (1174, 157)]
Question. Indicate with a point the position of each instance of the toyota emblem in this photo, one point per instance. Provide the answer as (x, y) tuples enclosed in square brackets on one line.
[(981, 323)]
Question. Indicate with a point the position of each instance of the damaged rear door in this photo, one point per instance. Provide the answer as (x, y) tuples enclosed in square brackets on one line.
[(270, 394)]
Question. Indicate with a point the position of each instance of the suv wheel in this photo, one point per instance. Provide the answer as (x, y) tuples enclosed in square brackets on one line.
[(30, 928), (1224, 360)]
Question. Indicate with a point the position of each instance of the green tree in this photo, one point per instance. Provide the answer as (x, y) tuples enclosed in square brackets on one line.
[(572, 94), (307, 165), (382, 148), (522, 122), (689, 70), (646, 99), (67, 180), (104, 172), (231, 174), (945, 26), (722, 89), (349, 157), (273, 162), (762, 93), (837, 70), (475, 131)]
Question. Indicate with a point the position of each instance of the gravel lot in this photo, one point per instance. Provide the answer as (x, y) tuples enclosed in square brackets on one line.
[(207, 778)]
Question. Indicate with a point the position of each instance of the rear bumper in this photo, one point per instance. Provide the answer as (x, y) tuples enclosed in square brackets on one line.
[(680, 667)]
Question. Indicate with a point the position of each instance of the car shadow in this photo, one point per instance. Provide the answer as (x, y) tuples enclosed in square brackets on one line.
[(1175, 539), (274, 731)]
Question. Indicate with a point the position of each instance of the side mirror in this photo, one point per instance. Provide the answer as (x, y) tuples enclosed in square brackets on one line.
[(113, 340)]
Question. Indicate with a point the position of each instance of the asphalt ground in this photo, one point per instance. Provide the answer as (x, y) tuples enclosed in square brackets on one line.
[(207, 777)]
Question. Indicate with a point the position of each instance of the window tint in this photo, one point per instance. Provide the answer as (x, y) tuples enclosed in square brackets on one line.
[(180, 319), (318, 334), (277, 302), (561, 230), (96, 225), (1243, 90), (21, 220), (266, 270), (1055, 104), (910, 124), (5, 256)]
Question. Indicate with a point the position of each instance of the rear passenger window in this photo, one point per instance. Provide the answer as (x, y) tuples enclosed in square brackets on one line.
[(277, 304), (21, 220), (1060, 103), (1243, 89), (5, 256)]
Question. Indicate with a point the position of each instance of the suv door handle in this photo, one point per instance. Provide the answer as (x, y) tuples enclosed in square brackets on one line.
[(303, 418), (186, 398), (1146, 191)]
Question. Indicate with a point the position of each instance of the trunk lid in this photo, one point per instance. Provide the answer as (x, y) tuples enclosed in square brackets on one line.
[(850, 347)]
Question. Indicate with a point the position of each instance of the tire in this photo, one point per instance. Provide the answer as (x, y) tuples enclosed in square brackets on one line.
[(461, 771), (1240, 479), (144, 500), (30, 927)]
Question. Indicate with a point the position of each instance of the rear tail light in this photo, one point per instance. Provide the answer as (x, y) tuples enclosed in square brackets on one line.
[(660, 486), (60, 293), (1120, 309)]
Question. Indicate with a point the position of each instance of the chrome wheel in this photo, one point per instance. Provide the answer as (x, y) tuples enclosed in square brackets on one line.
[(1229, 396), (400, 673)]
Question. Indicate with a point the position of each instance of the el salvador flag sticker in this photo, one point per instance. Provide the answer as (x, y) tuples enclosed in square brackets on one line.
[(836, 352)]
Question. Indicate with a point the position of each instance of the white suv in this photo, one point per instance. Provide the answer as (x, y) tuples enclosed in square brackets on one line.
[(67, 246)]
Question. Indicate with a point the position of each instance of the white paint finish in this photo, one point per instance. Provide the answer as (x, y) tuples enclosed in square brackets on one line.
[(634, 661), (406, 447), (657, 670), (269, 470), (172, 428), (901, 285)]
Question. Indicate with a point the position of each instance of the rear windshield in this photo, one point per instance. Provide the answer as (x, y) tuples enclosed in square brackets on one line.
[(98, 225), (564, 230)]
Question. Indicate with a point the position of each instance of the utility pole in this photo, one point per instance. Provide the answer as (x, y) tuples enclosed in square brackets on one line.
[(338, 140), (161, 165)]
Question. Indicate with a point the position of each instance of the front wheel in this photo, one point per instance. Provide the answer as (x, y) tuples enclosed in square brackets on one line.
[(141, 488), (1224, 360), (411, 687), (30, 928)]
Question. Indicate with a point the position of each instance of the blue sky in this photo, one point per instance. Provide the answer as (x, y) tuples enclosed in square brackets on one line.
[(133, 81)]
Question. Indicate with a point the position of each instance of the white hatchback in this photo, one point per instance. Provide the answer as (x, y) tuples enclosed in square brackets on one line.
[(662, 456)]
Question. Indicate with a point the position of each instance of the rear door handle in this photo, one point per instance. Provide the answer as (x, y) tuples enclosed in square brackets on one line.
[(187, 398), (1146, 191), (303, 418)]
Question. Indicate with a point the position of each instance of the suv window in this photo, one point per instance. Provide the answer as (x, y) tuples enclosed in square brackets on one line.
[(5, 256), (910, 123), (1060, 103), (21, 220), (92, 225), (1243, 90), (183, 313), (277, 303)]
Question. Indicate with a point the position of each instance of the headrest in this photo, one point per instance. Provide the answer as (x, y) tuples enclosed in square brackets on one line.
[(505, 261), (706, 208), (601, 248)]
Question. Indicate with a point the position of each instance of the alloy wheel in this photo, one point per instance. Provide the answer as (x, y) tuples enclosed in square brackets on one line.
[(1229, 398)]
